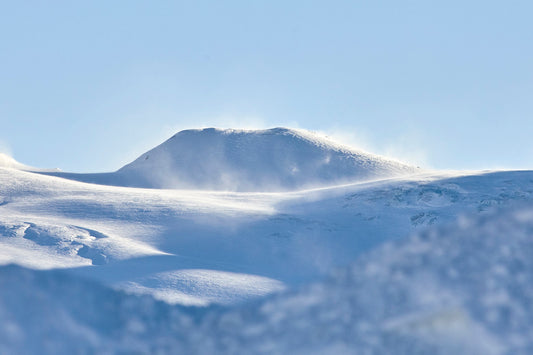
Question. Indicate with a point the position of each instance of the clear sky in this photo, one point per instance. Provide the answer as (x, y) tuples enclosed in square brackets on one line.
[(90, 85)]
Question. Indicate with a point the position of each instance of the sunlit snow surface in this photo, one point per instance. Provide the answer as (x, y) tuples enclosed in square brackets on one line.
[(466, 288), (442, 261), (200, 247)]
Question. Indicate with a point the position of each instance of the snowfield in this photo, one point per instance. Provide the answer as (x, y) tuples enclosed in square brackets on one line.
[(199, 247), (349, 253), (464, 288)]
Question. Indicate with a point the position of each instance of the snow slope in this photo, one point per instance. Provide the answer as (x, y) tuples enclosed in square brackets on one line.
[(465, 288), (199, 247), (277, 159)]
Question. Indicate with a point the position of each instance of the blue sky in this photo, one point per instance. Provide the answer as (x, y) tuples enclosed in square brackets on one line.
[(89, 86)]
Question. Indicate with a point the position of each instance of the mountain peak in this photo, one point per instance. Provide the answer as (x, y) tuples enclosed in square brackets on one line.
[(276, 159), (229, 131)]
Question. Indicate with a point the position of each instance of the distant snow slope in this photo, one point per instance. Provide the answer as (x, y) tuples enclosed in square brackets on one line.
[(277, 159), (200, 247), (462, 289)]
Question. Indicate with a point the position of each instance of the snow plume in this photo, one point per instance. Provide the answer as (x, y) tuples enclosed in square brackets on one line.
[(6, 157), (5, 149), (6, 161), (405, 147), (408, 148)]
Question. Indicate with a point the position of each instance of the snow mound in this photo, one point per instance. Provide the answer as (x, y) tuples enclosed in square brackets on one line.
[(463, 289), (277, 159)]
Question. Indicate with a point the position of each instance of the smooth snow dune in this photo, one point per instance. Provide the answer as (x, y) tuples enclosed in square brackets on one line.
[(277, 159)]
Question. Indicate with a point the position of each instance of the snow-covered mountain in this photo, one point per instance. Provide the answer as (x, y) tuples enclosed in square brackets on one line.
[(222, 250), (277, 159)]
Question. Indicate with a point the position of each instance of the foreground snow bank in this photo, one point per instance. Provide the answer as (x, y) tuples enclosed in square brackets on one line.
[(466, 288), (49, 312)]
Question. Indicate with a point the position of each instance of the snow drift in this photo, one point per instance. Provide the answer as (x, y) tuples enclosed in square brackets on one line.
[(277, 159)]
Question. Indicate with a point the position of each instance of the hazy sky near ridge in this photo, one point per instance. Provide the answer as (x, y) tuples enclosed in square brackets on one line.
[(89, 86)]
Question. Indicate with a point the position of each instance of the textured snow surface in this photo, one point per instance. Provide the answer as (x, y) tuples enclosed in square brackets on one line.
[(465, 288), (277, 159), (253, 272), (198, 247)]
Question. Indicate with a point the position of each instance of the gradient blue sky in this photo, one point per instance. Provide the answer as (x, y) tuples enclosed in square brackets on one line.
[(90, 85)]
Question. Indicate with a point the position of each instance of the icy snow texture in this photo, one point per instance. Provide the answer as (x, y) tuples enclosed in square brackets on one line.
[(277, 159), (465, 289)]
